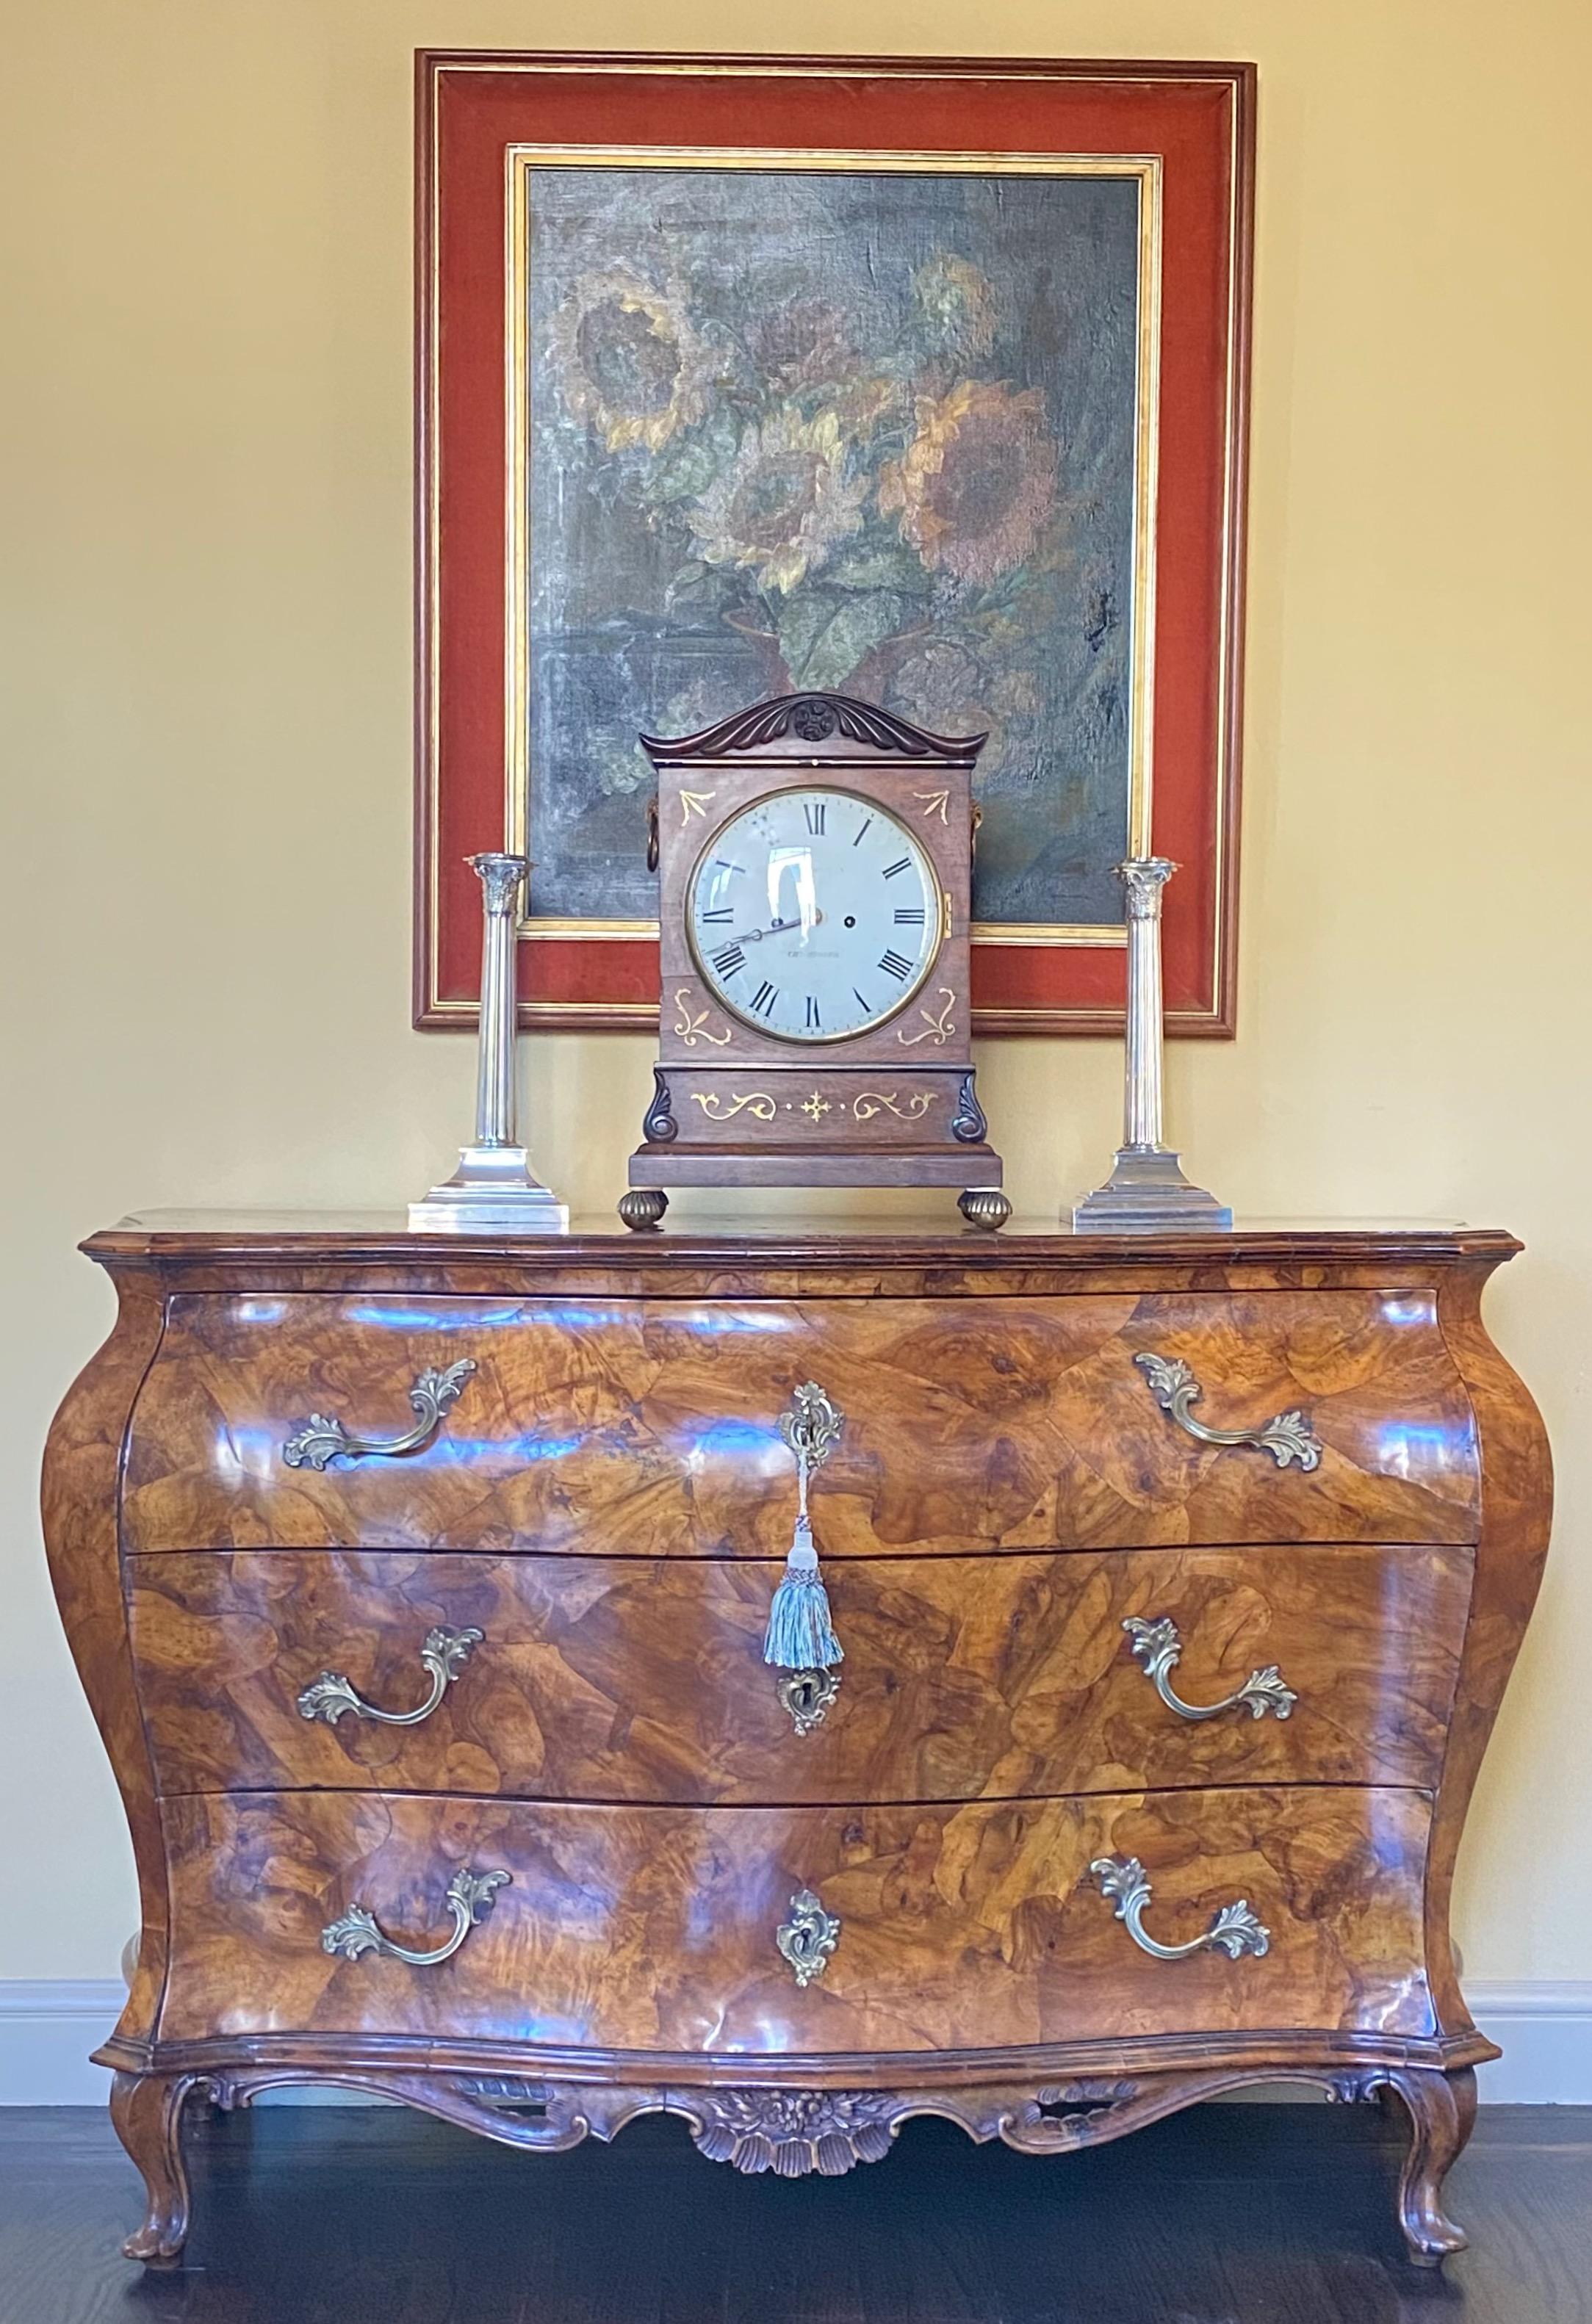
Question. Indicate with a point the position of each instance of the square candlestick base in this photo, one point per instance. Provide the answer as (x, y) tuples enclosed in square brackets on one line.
[(494, 1191), (1147, 1194)]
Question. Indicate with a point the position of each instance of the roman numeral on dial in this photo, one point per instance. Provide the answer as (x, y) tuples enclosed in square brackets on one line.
[(902, 863), (731, 959), (893, 965), (815, 1023), (908, 915), (720, 918), (814, 810), (763, 998)]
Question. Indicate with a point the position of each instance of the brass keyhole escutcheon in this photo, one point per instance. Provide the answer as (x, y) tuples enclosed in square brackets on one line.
[(807, 1695)]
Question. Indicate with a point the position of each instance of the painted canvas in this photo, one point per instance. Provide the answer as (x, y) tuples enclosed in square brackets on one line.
[(863, 430)]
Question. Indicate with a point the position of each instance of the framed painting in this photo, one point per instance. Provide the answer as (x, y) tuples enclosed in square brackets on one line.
[(918, 380)]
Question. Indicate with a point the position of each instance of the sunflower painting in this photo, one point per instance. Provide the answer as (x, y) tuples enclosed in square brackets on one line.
[(872, 432)]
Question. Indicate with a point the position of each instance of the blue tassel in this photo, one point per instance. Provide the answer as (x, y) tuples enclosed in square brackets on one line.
[(800, 1635)]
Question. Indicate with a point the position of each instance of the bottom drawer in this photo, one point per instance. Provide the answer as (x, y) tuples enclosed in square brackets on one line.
[(654, 1928)]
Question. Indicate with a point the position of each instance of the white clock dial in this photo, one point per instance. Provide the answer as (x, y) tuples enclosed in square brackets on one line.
[(813, 915)]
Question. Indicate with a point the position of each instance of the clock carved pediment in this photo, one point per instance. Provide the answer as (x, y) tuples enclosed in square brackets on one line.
[(795, 725)]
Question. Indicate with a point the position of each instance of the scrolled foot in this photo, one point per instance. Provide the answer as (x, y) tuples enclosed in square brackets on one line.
[(643, 1207), (984, 1206), (146, 2113), (1442, 2108)]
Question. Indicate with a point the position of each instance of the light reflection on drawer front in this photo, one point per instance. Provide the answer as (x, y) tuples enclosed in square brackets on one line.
[(638, 1679)]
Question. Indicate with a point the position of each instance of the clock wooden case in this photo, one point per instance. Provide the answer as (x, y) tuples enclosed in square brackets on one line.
[(758, 1085)]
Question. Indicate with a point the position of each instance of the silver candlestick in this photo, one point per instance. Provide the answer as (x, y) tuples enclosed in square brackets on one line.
[(1146, 1192), (494, 1188)]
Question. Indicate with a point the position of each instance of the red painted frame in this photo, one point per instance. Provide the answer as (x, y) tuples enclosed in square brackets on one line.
[(1199, 118)]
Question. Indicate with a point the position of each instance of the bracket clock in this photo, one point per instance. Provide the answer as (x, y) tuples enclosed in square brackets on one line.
[(815, 872)]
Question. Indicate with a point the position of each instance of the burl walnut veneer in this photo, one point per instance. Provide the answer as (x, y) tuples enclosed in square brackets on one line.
[(420, 1595)]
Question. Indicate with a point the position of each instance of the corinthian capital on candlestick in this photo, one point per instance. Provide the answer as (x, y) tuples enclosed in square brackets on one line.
[(1143, 879), (1146, 1192), (501, 877), (495, 1189)]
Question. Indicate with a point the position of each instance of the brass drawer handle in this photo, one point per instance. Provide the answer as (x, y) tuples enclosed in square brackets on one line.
[(1158, 1647), (319, 1440), (469, 1899), (808, 1938), (1233, 1931), (1288, 1437), (443, 1654)]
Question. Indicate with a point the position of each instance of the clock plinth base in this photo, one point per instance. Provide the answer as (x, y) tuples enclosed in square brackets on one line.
[(660, 1167), (787, 1125), (1147, 1194)]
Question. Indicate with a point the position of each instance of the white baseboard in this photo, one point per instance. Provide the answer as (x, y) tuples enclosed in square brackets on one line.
[(1545, 2032), (49, 2026)]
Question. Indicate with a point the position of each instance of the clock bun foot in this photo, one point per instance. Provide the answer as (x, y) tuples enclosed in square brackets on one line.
[(643, 1208), (984, 1206)]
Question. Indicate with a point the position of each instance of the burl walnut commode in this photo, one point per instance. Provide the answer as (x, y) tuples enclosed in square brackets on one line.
[(420, 1594)]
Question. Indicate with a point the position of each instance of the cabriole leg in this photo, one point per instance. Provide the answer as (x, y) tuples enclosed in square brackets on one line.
[(146, 2110), (1442, 2108)]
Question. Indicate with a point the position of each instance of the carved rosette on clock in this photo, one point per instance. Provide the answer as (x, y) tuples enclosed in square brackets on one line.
[(814, 875)]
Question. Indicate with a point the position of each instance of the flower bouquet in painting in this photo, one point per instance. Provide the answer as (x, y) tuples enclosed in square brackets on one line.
[(865, 432)]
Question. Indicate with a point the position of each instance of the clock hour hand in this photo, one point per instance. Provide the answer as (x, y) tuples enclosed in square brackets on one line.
[(778, 927)]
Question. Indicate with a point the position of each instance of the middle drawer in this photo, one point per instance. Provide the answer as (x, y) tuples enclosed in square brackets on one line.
[(638, 1679)]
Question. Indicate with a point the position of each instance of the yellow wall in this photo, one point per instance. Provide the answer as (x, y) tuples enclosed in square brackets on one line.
[(205, 350)]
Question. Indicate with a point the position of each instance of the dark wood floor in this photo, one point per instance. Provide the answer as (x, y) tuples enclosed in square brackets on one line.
[(1226, 2215)]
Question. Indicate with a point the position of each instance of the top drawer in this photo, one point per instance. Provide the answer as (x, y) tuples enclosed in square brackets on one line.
[(650, 1427)]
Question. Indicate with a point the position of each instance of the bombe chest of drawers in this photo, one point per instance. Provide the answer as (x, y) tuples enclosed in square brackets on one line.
[(420, 1591)]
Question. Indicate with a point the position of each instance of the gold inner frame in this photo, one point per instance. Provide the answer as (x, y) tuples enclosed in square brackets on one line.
[(520, 161)]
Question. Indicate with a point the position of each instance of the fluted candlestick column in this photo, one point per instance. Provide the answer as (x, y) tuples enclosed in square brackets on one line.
[(501, 877), (1146, 1192), (493, 1189), (1143, 881)]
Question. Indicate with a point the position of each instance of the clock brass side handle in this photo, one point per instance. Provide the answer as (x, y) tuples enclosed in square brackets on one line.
[(1286, 1437), (443, 1654), (1158, 1645), (321, 1440), (1233, 1931), (469, 1898)]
